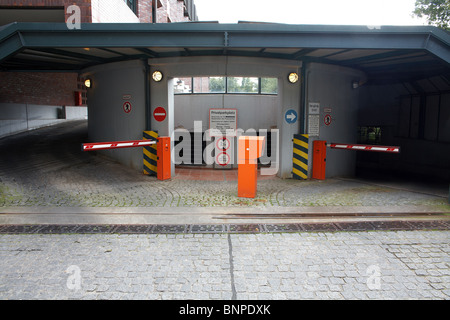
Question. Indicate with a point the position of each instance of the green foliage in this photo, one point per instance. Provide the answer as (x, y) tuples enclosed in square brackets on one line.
[(239, 85), (242, 85), (269, 85), (437, 12), (216, 84)]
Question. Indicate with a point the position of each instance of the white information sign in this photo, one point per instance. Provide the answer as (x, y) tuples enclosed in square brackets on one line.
[(222, 122), (314, 108), (313, 125)]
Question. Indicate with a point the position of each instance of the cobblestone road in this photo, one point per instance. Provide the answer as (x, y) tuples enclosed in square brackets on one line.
[(46, 168), (338, 265)]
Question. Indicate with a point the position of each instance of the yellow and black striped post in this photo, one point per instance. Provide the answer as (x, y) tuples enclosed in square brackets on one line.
[(150, 154), (300, 157)]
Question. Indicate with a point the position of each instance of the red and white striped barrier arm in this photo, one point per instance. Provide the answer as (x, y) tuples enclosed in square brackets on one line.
[(363, 147), (116, 145)]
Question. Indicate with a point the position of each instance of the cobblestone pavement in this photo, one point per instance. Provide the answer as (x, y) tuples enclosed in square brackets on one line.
[(46, 168), (302, 265)]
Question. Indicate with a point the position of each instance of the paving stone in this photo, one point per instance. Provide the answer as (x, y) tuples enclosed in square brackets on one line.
[(63, 176), (162, 277), (220, 261)]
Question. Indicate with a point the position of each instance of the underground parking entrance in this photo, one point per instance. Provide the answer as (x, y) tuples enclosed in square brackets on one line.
[(347, 84), (51, 182)]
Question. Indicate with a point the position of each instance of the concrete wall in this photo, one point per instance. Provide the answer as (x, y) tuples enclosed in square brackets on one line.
[(331, 87), (113, 85), (73, 113), (16, 117), (254, 111), (250, 115), (419, 123)]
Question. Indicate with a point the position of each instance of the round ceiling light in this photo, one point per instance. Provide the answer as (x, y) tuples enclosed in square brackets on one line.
[(157, 76), (293, 77)]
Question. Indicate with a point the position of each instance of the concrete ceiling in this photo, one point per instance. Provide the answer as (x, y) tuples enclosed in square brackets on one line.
[(385, 54)]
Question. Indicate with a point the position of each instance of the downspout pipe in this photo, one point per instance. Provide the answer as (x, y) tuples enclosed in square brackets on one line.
[(303, 98), (155, 7), (147, 96)]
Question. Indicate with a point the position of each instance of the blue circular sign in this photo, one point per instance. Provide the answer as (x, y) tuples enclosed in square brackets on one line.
[(291, 116)]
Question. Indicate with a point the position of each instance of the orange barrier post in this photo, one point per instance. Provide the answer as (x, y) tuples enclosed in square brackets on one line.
[(250, 148), (164, 170), (163, 162), (319, 159)]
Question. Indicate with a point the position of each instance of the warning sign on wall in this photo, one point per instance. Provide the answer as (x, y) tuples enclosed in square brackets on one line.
[(160, 114), (223, 159), (223, 143), (327, 119), (223, 153), (126, 107)]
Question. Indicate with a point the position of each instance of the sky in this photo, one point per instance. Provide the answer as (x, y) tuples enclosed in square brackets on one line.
[(337, 12)]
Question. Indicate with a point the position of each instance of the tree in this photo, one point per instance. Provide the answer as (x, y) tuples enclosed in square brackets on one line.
[(249, 85), (217, 84), (269, 85), (242, 85), (436, 11)]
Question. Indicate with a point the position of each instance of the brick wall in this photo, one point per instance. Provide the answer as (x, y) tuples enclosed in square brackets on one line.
[(168, 10), (171, 11), (56, 89), (85, 6), (145, 9)]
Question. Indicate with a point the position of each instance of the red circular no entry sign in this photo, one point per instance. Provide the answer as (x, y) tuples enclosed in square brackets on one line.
[(327, 119), (160, 114), (127, 107), (223, 159)]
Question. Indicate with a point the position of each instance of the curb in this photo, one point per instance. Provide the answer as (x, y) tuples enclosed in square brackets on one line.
[(227, 228)]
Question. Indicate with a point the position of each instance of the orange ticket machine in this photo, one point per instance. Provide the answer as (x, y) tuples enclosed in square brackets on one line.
[(250, 148), (163, 163), (319, 159)]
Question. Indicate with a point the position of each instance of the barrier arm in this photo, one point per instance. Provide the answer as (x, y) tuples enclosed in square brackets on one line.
[(116, 145), (364, 147)]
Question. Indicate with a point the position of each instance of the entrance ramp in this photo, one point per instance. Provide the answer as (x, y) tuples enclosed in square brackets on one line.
[(47, 179)]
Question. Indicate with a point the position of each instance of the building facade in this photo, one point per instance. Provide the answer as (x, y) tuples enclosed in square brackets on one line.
[(98, 11), (47, 94), (351, 84)]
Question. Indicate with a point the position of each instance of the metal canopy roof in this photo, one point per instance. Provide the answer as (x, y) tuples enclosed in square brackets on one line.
[(386, 54)]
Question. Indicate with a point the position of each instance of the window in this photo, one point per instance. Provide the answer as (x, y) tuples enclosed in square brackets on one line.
[(228, 85), (183, 85), (242, 85), (369, 135), (132, 5), (269, 85), (209, 85)]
